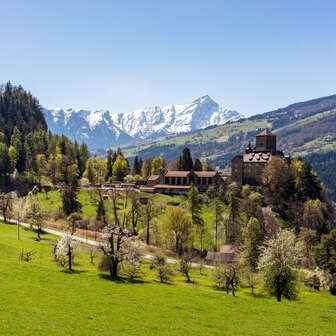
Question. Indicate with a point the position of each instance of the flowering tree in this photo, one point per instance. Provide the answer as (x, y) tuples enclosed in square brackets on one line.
[(278, 259), (118, 246), (34, 213), (64, 251)]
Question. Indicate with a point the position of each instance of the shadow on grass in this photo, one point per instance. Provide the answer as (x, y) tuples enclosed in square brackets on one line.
[(122, 279), (66, 271), (257, 295)]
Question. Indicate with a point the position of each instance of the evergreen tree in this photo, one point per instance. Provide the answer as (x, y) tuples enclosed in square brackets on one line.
[(137, 166), (253, 236), (198, 165), (146, 168), (70, 201), (195, 209), (109, 173), (5, 164), (186, 160), (89, 172)]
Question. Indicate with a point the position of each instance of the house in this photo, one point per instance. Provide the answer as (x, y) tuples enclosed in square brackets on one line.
[(226, 254), (180, 182)]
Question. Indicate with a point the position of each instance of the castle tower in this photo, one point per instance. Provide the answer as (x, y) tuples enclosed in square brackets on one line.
[(266, 142)]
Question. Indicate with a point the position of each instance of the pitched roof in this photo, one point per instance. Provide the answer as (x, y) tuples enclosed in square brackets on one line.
[(257, 157), (168, 186), (227, 254), (205, 173), (177, 173), (147, 189), (266, 132)]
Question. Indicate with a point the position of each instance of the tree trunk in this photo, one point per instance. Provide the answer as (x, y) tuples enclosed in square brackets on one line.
[(70, 259), (114, 269), (147, 233), (278, 291), (278, 296)]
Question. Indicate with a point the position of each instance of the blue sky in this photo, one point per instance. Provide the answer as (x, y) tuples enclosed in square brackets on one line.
[(252, 56)]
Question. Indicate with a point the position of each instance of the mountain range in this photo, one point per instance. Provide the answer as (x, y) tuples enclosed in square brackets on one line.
[(102, 129)]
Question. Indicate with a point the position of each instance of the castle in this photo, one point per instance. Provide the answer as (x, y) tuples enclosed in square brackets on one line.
[(245, 169), (248, 168)]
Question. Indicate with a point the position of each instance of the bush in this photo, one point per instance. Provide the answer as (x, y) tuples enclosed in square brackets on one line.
[(104, 264), (227, 277), (132, 270), (163, 269)]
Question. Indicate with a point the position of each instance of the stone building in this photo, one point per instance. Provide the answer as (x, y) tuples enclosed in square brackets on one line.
[(247, 168), (228, 254), (180, 182)]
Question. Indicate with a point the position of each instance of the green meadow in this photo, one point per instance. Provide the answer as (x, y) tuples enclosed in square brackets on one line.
[(39, 298)]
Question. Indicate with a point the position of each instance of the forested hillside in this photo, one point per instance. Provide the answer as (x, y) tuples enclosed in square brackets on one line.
[(325, 165), (20, 109), (28, 152)]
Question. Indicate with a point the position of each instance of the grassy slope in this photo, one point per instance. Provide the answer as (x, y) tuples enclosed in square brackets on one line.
[(53, 203), (38, 299)]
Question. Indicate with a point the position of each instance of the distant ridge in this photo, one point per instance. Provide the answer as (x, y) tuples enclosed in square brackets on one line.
[(101, 129)]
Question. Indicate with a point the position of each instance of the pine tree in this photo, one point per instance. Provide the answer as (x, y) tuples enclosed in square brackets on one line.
[(195, 209), (186, 160), (109, 173), (198, 165), (70, 201), (136, 166)]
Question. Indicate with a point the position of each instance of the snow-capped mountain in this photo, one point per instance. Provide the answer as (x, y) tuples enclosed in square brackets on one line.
[(102, 128)]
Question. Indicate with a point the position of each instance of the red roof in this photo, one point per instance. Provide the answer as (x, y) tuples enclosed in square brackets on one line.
[(176, 173), (266, 132), (205, 173)]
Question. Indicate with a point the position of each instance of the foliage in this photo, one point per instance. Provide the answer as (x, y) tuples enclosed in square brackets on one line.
[(64, 251), (198, 165), (120, 168), (158, 165), (253, 236), (163, 269), (278, 259), (70, 201), (326, 257), (185, 265), (186, 162), (33, 213), (6, 204), (117, 248), (227, 277), (27, 151), (178, 228)]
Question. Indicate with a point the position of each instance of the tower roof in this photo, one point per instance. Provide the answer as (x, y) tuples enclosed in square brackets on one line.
[(266, 132)]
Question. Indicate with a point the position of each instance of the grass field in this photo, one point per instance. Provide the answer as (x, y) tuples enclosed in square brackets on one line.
[(37, 298), (53, 203)]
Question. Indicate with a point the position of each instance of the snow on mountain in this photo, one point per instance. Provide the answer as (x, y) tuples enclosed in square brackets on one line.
[(101, 129), (96, 128)]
